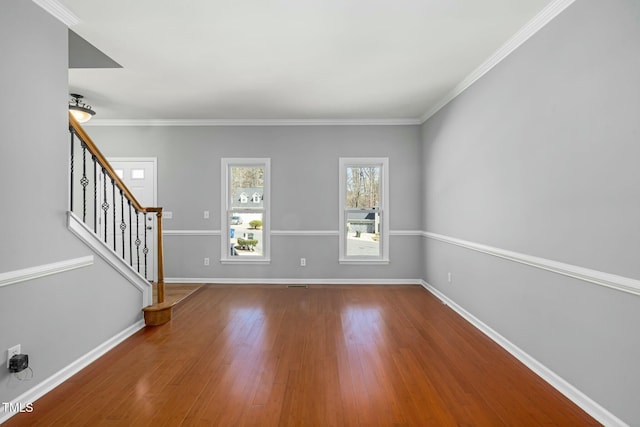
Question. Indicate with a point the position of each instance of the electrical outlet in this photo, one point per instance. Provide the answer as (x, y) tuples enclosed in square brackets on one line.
[(449, 277), (303, 262), (207, 261), (12, 352), (206, 215)]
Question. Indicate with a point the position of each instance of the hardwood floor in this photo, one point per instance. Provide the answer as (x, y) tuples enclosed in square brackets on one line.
[(330, 355)]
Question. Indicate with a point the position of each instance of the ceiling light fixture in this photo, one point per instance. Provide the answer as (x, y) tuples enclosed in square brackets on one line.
[(81, 112)]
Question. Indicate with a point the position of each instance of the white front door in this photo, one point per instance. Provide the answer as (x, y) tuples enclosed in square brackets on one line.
[(139, 175)]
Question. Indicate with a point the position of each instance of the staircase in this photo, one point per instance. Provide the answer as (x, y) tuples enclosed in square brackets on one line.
[(105, 214)]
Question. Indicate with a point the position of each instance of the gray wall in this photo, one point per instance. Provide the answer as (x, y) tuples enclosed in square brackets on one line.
[(540, 157), (304, 169), (58, 318)]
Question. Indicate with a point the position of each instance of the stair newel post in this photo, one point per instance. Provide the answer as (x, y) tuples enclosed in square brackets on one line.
[(160, 257), (159, 313)]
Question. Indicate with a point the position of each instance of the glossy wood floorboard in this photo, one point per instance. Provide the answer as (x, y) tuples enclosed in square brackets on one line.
[(330, 355)]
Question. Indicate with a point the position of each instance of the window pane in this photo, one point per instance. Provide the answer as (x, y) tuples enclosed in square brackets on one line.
[(245, 234), (120, 173), (137, 173), (247, 186), (363, 233), (363, 186)]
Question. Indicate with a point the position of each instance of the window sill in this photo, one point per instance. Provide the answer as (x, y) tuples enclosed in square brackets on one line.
[(245, 261), (377, 261)]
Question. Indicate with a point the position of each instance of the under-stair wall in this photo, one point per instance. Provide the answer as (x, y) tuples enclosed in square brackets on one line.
[(79, 305)]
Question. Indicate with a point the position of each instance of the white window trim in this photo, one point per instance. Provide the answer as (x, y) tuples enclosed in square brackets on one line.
[(383, 162), (225, 211)]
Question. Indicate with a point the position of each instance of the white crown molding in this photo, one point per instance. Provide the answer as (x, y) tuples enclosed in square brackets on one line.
[(556, 381), (552, 10), (620, 283), (538, 22), (59, 12), (64, 374), (256, 122), (31, 273)]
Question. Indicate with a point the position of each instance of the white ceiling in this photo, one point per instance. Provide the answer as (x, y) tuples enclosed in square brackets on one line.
[(301, 60)]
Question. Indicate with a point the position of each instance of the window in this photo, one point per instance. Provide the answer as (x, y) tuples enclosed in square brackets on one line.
[(364, 210), (245, 219)]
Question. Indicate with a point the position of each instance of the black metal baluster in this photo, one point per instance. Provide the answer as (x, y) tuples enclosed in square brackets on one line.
[(130, 236), (95, 195), (84, 181), (105, 204), (113, 199), (145, 250), (123, 225), (138, 242), (71, 167)]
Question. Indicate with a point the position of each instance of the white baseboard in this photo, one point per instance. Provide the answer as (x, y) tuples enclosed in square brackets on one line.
[(295, 281), (576, 396), (564, 387), (64, 374)]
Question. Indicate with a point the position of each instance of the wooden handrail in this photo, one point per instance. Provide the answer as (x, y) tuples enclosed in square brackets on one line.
[(93, 149)]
